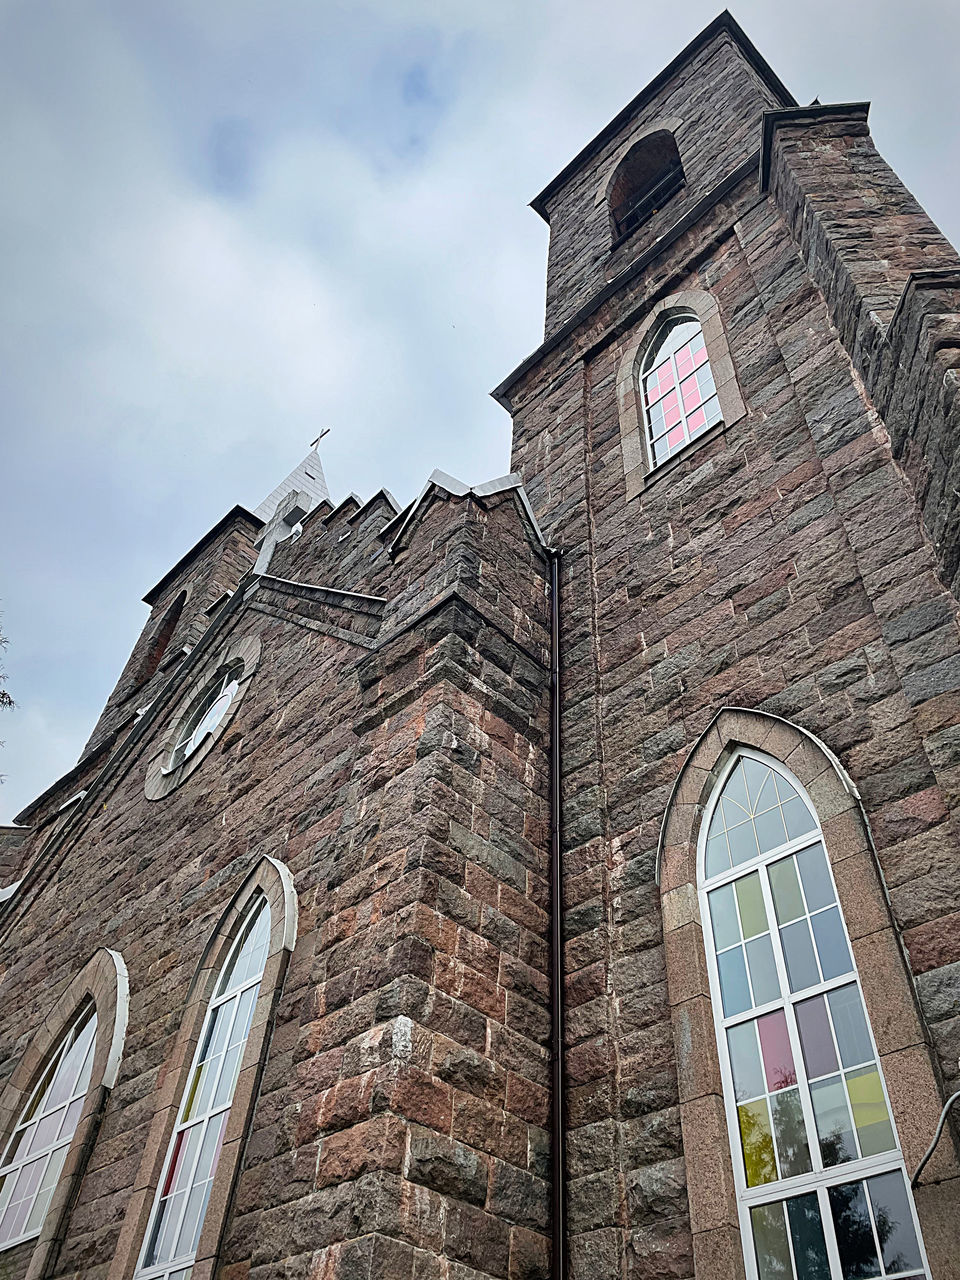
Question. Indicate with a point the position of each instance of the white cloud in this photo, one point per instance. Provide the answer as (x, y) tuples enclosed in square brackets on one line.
[(174, 337)]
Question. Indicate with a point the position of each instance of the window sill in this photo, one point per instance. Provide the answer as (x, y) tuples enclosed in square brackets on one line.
[(651, 477)]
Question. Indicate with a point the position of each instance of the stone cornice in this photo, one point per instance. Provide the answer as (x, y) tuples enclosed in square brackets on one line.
[(855, 112)]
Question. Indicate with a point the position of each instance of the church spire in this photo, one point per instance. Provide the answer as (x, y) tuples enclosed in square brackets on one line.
[(307, 478)]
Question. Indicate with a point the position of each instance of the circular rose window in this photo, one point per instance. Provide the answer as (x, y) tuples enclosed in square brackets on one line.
[(205, 711)]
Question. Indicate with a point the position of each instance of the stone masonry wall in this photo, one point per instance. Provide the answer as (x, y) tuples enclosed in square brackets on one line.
[(784, 567), (400, 1127), (718, 84)]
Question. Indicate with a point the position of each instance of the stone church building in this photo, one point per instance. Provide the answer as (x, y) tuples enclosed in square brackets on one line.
[(558, 877)]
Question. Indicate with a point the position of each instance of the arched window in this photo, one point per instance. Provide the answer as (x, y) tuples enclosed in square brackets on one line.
[(160, 641), (819, 1174), (50, 1106), (647, 177), (679, 396), (176, 1220), (34, 1156)]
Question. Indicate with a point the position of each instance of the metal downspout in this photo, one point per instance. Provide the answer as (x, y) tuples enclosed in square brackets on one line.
[(558, 1099)]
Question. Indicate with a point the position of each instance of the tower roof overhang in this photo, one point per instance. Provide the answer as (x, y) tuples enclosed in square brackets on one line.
[(723, 23)]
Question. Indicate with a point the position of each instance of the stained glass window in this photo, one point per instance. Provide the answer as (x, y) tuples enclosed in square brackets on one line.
[(821, 1179), (38, 1147), (181, 1201), (679, 394)]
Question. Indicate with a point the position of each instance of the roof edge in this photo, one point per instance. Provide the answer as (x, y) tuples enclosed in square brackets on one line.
[(723, 22), (235, 513)]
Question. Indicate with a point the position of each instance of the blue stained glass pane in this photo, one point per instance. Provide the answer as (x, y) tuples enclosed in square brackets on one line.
[(771, 832), (798, 953), (831, 944), (743, 843), (733, 813), (735, 789), (858, 1253), (891, 1212), (748, 1081), (766, 797), (763, 970), (850, 1024), (733, 982), (718, 857), (798, 818), (755, 775), (816, 877)]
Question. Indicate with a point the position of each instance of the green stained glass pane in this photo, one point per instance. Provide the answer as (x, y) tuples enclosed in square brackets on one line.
[(817, 886), (770, 1242), (756, 1138), (755, 775), (718, 855), (745, 1061), (763, 970), (770, 830), (850, 1024), (743, 843), (806, 1231), (735, 790), (787, 898), (798, 818), (753, 915), (833, 1122), (891, 1212), (870, 1111), (723, 917), (791, 1133)]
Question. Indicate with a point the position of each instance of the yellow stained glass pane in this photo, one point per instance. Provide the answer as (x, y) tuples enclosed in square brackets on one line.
[(756, 1138), (870, 1111), (753, 916)]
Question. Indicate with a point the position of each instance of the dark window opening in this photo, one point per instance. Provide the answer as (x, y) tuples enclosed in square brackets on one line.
[(159, 641), (648, 176)]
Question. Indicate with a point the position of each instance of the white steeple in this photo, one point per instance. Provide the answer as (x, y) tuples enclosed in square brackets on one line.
[(307, 478)]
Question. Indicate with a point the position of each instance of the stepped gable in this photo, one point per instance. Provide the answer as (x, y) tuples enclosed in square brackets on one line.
[(340, 547)]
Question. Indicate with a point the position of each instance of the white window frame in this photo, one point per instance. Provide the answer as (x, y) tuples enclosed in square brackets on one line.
[(648, 364), (173, 1268), (819, 1179), (61, 1144), (222, 689)]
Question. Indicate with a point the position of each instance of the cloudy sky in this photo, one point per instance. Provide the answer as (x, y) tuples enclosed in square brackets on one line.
[(227, 224)]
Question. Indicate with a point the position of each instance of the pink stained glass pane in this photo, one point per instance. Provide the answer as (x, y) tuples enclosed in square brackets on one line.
[(685, 363), (700, 357), (660, 381), (690, 391), (671, 409), (775, 1047), (675, 437), (697, 421)]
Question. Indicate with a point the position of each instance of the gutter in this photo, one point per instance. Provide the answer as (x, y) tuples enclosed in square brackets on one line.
[(558, 1215)]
